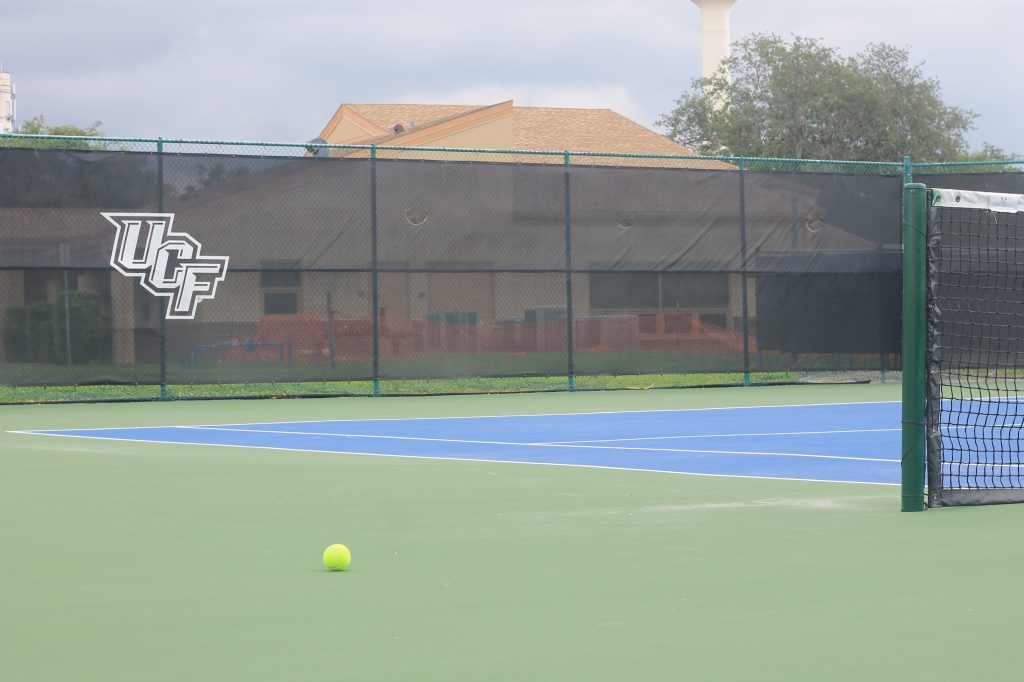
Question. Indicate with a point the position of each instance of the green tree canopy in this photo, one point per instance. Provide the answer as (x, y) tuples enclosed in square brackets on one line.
[(803, 100), (37, 126), (36, 172)]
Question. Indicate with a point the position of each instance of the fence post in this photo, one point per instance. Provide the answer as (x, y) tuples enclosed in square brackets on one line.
[(163, 315), (570, 344), (743, 273), (374, 306)]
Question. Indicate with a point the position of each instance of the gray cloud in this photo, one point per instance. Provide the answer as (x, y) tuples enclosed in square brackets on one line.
[(254, 69)]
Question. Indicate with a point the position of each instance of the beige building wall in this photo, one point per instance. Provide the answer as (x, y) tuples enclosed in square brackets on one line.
[(736, 297), (122, 309), (240, 297), (580, 294), (350, 293), (515, 292), (495, 134), (396, 296), (403, 295), (8, 111), (347, 130), (418, 304), (238, 300)]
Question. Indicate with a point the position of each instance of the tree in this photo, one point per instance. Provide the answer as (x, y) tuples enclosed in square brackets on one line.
[(989, 152), (988, 159), (209, 176), (45, 173), (804, 100), (37, 126)]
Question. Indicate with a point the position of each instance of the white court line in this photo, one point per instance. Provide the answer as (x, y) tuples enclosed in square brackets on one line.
[(480, 416), (540, 445), (462, 459), (718, 435)]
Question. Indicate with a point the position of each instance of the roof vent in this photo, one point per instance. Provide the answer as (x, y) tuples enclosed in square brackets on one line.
[(314, 147), (398, 129)]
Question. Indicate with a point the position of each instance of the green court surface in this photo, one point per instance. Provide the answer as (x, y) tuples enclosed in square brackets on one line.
[(132, 561)]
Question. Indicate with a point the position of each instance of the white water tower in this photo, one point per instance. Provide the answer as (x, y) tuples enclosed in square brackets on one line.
[(7, 110), (714, 33)]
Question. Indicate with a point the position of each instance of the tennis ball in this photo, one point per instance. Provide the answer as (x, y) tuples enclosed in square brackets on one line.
[(337, 557)]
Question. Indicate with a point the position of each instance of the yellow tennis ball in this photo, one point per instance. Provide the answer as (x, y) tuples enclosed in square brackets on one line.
[(337, 557)]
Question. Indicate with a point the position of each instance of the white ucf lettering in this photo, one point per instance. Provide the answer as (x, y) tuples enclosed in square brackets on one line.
[(168, 263)]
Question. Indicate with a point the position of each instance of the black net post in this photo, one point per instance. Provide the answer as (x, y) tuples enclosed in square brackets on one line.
[(570, 370), (163, 316), (374, 272), (914, 347)]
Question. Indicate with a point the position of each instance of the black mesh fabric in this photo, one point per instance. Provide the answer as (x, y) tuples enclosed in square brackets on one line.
[(1003, 182), (825, 255), (644, 219), (470, 216), (278, 213), (478, 268)]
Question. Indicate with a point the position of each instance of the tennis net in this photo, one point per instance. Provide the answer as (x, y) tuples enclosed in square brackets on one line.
[(975, 347)]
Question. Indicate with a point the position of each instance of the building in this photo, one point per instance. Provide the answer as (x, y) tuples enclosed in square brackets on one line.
[(509, 296), (8, 111), (504, 126), (714, 34), (470, 257)]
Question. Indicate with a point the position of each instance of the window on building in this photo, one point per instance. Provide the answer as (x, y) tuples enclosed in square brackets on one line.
[(281, 283), (695, 290), (624, 290), (280, 303), (652, 290)]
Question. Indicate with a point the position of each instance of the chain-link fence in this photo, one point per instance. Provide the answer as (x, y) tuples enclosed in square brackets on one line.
[(136, 269)]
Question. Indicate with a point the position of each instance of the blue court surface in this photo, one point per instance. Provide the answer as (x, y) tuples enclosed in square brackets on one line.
[(981, 442), (855, 442)]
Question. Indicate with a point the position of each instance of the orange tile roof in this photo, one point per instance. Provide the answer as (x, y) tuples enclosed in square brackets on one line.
[(535, 129), (594, 130), (387, 115), (586, 130)]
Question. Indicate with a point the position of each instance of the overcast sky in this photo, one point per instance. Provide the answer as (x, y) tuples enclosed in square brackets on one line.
[(277, 70)]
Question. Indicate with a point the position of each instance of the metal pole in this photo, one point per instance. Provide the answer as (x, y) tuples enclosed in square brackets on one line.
[(570, 350), (880, 336), (163, 316), (915, 207), (743, 274), (375, 308)]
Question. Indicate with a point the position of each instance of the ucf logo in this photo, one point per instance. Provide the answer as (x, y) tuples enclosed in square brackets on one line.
[(169, 264)]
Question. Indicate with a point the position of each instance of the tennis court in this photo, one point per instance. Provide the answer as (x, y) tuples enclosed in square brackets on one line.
[(581, 534), (138, 546), (855, 442)]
